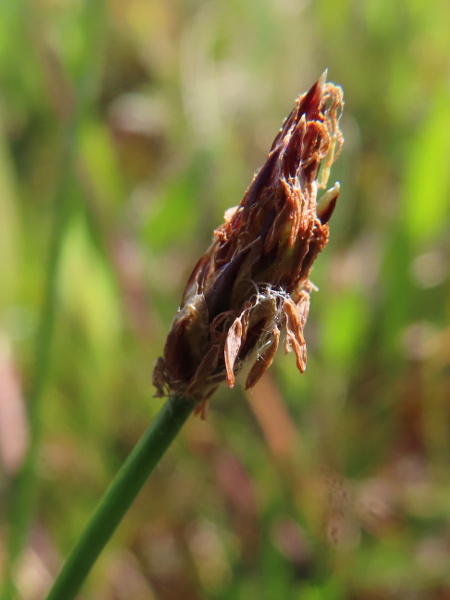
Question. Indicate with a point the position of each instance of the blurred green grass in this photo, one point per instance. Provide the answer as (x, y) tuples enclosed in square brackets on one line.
[(343, 490)]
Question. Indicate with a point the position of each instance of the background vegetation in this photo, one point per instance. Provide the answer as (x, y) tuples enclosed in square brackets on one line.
[(126, 130)]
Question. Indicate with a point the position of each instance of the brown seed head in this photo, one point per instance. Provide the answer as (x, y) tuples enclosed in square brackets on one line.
[(253, 281)]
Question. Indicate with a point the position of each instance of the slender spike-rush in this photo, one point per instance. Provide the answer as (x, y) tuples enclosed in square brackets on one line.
[(253, 281)]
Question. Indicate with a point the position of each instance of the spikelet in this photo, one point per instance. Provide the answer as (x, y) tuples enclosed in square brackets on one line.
[(253, 281)]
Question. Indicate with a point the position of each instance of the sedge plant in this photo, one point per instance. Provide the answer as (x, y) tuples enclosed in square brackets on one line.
[(250, 286)]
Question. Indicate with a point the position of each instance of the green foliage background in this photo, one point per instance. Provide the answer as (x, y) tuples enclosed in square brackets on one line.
[(126, 130)]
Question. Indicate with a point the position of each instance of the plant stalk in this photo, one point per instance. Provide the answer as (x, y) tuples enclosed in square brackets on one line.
[(120, 495)]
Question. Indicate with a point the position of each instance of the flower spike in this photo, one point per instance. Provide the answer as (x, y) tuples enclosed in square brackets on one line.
[(253, 281)]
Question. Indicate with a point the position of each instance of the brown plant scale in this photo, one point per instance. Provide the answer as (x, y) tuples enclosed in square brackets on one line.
[(253, 281)]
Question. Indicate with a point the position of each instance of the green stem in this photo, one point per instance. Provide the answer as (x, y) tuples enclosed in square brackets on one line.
[(120, 495)]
